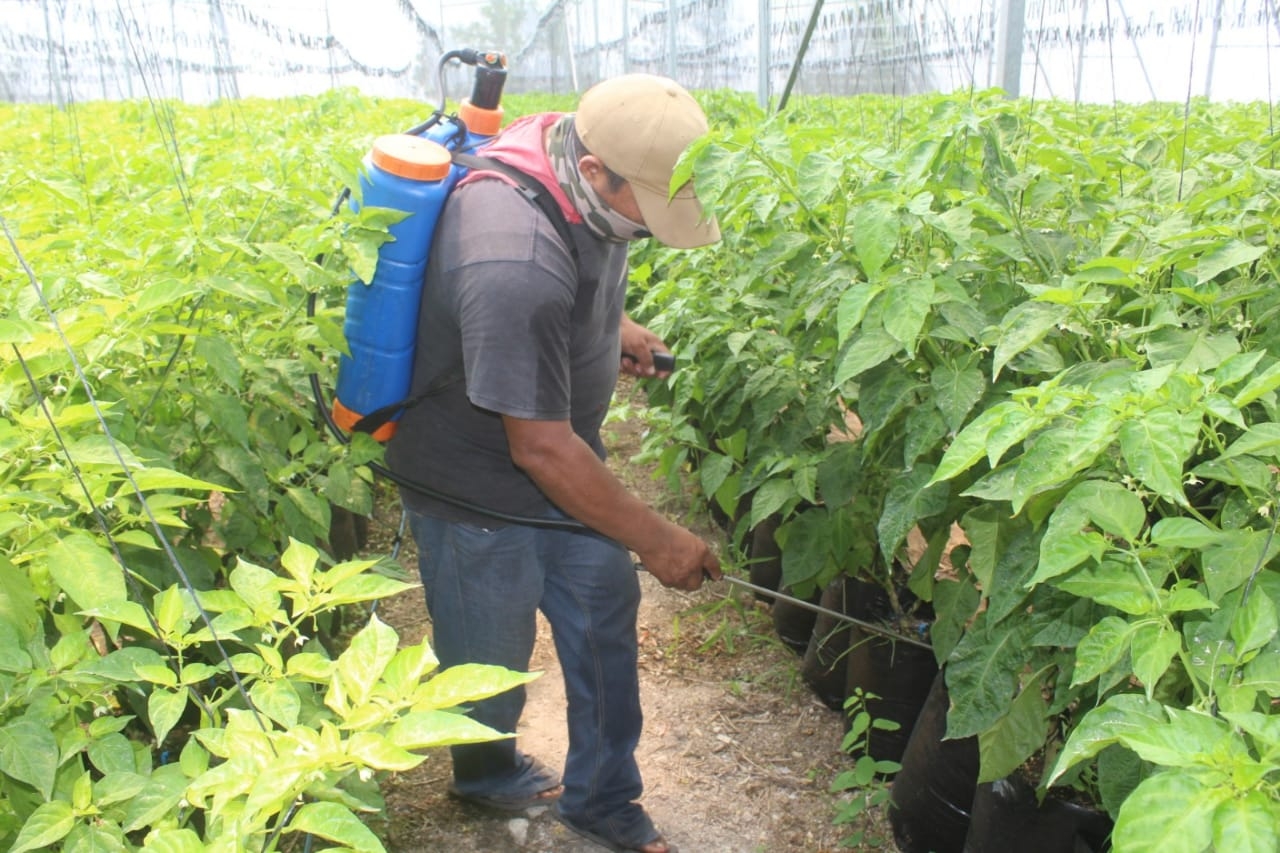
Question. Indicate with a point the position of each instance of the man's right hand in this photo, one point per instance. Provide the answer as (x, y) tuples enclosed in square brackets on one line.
[(680, 559)]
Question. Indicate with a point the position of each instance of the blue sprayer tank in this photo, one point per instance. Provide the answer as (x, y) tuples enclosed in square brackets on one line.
[(413, 174)]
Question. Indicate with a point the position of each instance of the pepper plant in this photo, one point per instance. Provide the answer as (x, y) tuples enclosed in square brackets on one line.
[(171, 680), (1056, 326), (150, 746)]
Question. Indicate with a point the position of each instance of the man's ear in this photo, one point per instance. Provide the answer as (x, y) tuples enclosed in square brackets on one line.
[(591, 168)]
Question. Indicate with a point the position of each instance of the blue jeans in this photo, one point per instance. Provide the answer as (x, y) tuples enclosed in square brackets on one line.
[(483, 589)]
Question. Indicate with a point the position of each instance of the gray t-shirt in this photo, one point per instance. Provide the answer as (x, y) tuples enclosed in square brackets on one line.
[(509, 325)]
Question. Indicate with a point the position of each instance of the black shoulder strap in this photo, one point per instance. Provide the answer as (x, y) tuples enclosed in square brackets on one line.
[(537, 194), (531, 188)]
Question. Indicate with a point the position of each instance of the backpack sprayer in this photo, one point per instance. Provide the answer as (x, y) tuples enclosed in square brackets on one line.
[(414, 172)]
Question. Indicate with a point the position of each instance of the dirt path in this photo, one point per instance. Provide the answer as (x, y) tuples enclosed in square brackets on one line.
[(737, 753)]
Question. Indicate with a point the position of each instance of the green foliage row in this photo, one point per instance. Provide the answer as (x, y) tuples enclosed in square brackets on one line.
[(1056, 326), (171, 667)]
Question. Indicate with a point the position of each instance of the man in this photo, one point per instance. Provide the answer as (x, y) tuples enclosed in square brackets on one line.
[(519, 348)]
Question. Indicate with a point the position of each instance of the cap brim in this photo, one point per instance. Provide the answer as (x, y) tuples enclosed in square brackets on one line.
[(679, 222)]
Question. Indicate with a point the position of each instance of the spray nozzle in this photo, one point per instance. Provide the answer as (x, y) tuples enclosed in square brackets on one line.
[(490, 59)]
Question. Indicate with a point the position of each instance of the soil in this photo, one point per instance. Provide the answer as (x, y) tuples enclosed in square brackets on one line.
[(737, 754)]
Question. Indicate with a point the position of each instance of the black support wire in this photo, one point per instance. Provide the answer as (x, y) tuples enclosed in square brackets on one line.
[(156, 528), (1186, 110)]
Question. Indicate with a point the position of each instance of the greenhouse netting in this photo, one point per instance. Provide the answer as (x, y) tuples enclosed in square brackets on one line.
[(1082, 50)]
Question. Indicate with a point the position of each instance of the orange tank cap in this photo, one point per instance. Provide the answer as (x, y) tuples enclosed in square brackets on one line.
[(412, 157), (484, 122), (347, 420)]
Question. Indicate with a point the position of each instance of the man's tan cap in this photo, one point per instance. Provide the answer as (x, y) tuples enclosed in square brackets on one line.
[(639, 125)]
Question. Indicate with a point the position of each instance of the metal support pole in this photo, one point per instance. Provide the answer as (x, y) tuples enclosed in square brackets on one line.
[(595, 20), (626, 36), (573, 64), (671, 39), (1084, 26), (1010, 27), (1213, 50), (764, 28), (800, 52)]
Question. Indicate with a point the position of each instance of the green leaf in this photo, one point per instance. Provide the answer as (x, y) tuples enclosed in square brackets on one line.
[(1261, 440), (1184, 533), (982, 674), (1117, 581), (1105, 725), (852, 308), (259, 588), (1229, 564), (971, 444), (112, 753), (408, 668), (874, 228), (365, 587), (956, 391), (299, 560), (909, 501), (1166, 813), (165, 789), (117, 788), (221, 358), (164, 709), (86, 571), (1229, 255), (1102, 649), (368, 654), (245, 469), (1113, 508), (312, 506), (29, 753), (334, 822), (1015, 737), (1025, 325), (1066, 544), (1157, 446), (17, 603), (14, 330), (1185, 740), (1255, 623), (379, 752), (173, 841), (427, 729), (1153, 649), (1247, 824), (1259, 385), (459, 685), (251, 289), (160, 294), (771, 497), (101, 836), (871, 347), (818, 177), (154, 479), (48, 824), (908, 300), (278, 699)]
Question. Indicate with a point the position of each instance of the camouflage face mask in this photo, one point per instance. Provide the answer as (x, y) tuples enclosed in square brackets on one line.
[(606, 223)]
